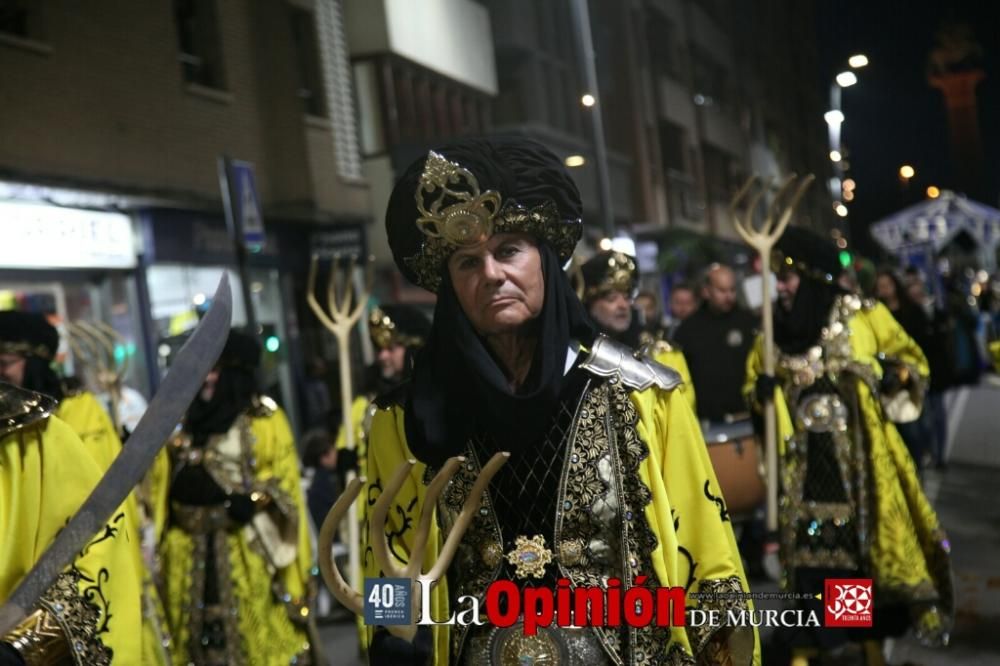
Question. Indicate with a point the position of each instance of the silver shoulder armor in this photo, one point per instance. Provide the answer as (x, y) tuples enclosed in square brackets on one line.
[(613, 359)]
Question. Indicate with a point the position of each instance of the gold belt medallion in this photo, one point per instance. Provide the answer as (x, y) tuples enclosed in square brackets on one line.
[(529, 556)]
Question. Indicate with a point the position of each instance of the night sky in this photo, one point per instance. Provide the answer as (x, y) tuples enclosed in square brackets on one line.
[(893, 116)]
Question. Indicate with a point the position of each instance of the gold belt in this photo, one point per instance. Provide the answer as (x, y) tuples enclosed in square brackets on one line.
[(200, 519)]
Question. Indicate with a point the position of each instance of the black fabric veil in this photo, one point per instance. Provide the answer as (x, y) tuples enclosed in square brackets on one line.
[(459, 388)]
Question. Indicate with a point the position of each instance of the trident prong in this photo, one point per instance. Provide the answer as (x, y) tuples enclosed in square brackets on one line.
[(762, 238), (350, 597), (343, 315), (94, 344)]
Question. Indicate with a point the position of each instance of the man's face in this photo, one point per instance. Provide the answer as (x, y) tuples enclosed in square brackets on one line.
[(720, 291), (612, 312), (12, 369), (916, 292), (788, 284), (499, 282), (682, 304), (391, 360)]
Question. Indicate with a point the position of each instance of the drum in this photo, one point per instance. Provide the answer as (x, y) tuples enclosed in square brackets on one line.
[(737, 462)]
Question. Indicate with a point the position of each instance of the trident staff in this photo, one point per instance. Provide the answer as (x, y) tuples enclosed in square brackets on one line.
[(344, 313), (762, 239)]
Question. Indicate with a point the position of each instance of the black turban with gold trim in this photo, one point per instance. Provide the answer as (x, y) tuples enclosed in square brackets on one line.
[(398, 324), (465, 192), (808, 253), (28, 334), (609, 271)]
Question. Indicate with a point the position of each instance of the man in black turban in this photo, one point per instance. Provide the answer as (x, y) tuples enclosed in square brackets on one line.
[(853, 506), (608, 475), (237, 528)]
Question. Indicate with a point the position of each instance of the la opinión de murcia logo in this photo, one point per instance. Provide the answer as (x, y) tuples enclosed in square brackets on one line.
[(848, 602)]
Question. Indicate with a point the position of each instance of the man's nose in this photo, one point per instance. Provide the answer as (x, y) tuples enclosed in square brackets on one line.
[(492, 270)]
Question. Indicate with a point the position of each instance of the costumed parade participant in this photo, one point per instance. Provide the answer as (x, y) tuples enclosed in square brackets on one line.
[(92, 613), (608, 476), (397, 331), (235, 552), (851, 503), (32, 343), (610, 280)]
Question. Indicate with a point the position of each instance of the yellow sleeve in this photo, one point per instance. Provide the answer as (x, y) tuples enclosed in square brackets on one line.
[(893, 341), (674, 358), (695, 548), (86, 416), (755, 368), (388, 450), (279, 477), (358, 408), (45, 476)]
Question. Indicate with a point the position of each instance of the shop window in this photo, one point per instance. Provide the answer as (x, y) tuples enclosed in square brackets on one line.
[(199, 45), (307, 61), (21, 18)]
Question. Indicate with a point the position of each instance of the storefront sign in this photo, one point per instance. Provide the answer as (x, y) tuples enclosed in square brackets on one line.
[(42, 236)]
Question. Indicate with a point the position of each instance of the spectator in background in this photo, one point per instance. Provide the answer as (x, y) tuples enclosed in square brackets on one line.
[(939, 350), (320, 458), (652, 316), (683, 304), (316, 396)]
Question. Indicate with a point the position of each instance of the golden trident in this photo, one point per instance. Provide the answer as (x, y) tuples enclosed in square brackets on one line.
[(344, 313), (348, 595), (762, 238), (94, 344)]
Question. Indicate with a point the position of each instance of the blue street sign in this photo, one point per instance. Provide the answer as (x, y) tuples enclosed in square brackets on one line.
[(246, 205)]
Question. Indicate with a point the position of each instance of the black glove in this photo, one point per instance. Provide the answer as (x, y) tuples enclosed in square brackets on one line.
[(9, 656), (390, 650), (347, 459), (240, 508), (894, 380), (763, 390)]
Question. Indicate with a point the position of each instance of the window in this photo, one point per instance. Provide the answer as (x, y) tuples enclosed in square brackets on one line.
[(718, 173), (198, 42), (672, 143), (307, 61), (661, 38), (710, 79), (21, 18)]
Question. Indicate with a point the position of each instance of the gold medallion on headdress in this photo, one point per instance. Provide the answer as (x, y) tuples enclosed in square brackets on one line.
[(451, 207), (619, 275)]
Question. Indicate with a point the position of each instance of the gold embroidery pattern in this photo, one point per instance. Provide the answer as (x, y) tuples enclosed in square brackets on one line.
[(79, 619), (541, 221), (715, 645), (474, 566)]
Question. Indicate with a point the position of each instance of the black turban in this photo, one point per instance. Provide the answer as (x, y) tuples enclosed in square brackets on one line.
[(536, 195)]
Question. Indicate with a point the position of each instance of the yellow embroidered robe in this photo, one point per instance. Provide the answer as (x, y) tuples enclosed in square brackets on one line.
[(46, 473), (263, 568), (681, 534), (896, 538)]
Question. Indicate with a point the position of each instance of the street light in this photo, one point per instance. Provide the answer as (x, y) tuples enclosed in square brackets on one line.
[(841, 210), (575, 161), (857, 61), (846, 79), (933, 192), (906, 172), (835, 117), (835, 156), (588, 100)]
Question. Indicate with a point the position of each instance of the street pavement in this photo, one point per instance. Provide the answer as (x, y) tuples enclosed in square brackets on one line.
[(965, 497)]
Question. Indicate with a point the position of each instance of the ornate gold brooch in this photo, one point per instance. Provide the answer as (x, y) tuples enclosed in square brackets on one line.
[(529, 556)]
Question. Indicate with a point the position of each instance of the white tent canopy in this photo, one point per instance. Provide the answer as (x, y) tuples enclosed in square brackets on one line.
[(937, 222)]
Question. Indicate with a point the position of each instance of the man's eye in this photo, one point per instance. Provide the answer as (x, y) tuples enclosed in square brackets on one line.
[(466, 262), (507, 251)]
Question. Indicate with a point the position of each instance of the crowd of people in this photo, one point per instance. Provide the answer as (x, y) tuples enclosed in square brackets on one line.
[(603, 405)]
